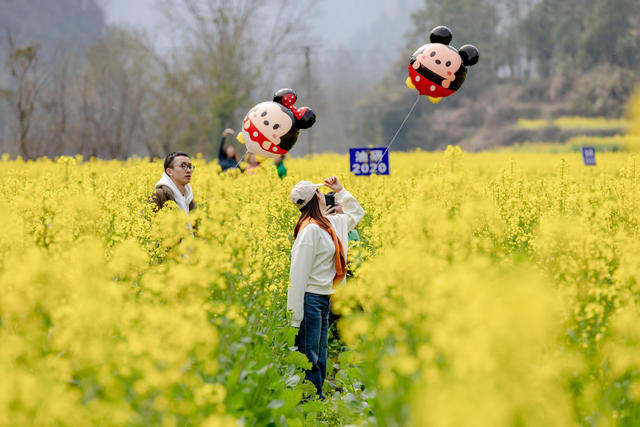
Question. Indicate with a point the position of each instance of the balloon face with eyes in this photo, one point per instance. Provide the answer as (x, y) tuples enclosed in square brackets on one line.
[(441, 59), (271, 129), (264, 126), (437, 69)]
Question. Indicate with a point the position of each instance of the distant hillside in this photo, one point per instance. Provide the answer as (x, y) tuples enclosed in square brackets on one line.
[(535, 64)]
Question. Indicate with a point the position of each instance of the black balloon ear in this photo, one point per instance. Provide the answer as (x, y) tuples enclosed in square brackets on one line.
[(307, 120), (441, 34), (285, 92), (469, 54)]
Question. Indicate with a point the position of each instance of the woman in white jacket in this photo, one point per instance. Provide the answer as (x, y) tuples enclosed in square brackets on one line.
[(318, 265)]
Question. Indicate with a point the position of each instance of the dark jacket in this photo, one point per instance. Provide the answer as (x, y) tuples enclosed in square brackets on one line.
[(223, 160), (164, 193)]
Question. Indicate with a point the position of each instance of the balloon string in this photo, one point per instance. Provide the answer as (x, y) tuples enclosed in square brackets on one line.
[(399, 129), (243, 156)]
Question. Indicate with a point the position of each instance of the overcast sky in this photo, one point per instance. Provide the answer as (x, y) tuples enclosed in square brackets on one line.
[(372, 31), (137, 13), (369, 33), (334, 22)]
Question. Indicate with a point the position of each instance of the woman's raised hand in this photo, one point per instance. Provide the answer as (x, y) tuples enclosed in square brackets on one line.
[(329, 210), (333, 183)]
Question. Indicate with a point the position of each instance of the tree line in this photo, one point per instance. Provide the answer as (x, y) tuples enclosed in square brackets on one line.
[(115, 95), (119, 96), (538, 58)]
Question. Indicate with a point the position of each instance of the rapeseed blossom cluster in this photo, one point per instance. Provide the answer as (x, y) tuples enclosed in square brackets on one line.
[(503, 291), (494, 289)]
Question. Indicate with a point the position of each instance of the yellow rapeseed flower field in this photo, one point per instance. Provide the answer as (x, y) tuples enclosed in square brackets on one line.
[(495, 289)]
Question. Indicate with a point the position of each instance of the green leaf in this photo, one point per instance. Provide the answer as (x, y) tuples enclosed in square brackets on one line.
[(264, 369), (348, 357), (313, 406), (292, 397), (298, 359), (355, 373), (275, 404), (293, 380)]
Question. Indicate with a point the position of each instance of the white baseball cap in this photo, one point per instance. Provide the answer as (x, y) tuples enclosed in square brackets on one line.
[(303, 192)]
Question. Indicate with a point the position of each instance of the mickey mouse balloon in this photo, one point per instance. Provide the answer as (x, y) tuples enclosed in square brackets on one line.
[(437, 69), (271, 129)]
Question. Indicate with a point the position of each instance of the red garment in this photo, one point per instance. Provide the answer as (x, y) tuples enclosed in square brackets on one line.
[(427, 87), (257, 136)]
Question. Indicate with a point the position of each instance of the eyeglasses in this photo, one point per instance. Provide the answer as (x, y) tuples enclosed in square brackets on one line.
[(168, 161), (187, 166)]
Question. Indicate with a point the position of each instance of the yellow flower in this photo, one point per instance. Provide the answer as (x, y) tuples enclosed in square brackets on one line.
[(491, 289)]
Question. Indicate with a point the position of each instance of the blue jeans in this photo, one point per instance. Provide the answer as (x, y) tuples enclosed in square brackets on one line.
[(312, 337)]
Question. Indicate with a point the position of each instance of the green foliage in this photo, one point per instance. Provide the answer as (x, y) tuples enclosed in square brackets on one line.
[(538, 59), (579, 34)]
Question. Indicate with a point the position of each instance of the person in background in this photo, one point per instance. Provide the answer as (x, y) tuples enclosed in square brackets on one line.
[(318, 265), (282, 170), (227, 155), (174, 183), (252, 164)]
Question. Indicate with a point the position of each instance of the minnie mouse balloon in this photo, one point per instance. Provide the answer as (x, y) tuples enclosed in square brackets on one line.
[(437, 69), (271, 128)]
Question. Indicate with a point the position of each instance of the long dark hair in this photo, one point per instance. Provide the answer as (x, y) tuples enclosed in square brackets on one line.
[(311, 210)]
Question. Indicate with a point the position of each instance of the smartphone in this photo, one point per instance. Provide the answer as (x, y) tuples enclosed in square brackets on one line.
[(330, 200)]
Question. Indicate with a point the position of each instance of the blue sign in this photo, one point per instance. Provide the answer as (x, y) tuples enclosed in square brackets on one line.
[(589, 156), (369, 161)]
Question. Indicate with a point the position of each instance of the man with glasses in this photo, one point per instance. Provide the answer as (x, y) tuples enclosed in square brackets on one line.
[(174, 184)]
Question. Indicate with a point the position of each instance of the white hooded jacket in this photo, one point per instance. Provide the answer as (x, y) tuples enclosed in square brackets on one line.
[(182, 201)]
